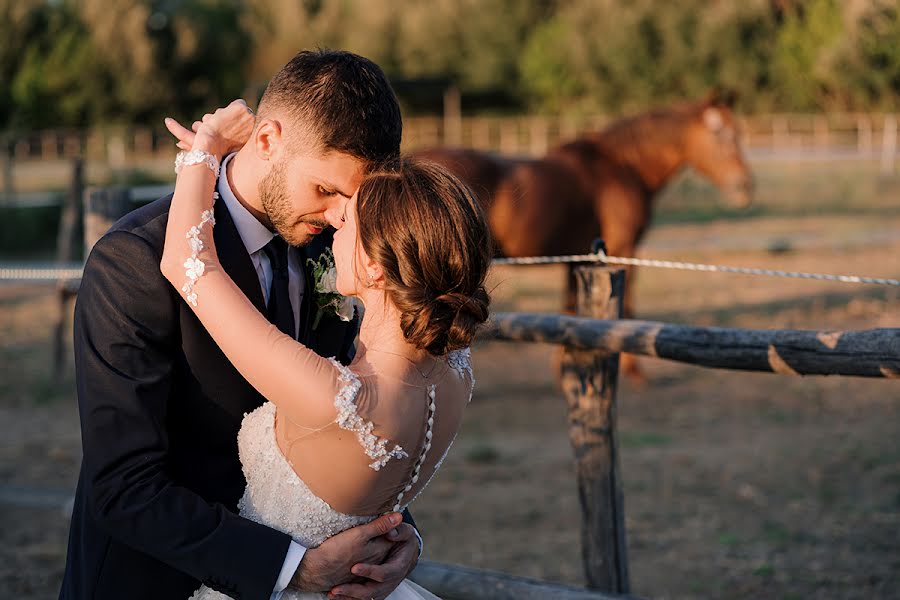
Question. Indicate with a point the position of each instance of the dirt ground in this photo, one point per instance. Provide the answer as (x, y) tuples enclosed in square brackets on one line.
[(737, 485)]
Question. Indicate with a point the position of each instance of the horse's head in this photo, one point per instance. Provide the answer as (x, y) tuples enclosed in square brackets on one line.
[(712, 147)]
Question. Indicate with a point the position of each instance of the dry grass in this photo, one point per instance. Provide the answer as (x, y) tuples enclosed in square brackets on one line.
[(737, 485)]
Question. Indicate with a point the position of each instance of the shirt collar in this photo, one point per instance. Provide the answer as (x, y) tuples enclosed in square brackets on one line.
[(254, 234)]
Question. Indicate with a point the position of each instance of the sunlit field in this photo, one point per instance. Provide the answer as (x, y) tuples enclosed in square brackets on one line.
[(737, 485)]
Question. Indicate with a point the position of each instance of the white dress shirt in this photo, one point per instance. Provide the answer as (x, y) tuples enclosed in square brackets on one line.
[(255, 236)]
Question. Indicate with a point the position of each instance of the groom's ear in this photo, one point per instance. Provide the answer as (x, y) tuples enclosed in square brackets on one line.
[(268, 139)]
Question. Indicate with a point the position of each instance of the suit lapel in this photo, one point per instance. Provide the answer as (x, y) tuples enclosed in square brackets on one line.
[(234, 257)]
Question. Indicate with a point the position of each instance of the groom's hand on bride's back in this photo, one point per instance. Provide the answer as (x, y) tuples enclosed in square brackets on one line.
[(386, 544)]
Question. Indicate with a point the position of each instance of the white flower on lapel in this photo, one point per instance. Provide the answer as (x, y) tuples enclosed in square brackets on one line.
[(328, 283), (346, 309), (328, 300)]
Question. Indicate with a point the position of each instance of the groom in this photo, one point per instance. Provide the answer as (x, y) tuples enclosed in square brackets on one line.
[(161, 406)]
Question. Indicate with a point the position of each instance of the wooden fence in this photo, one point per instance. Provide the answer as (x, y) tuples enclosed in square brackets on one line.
[(870, 353), (42, 154), (591, 341), (862, 133)]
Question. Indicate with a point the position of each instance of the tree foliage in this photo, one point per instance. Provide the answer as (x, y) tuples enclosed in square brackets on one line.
[(99, 62), (89, 62)]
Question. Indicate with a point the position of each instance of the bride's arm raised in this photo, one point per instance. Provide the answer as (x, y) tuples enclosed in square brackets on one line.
[(293, 377)]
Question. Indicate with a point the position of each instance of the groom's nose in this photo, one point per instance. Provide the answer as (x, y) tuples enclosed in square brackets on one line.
[(333, 215)]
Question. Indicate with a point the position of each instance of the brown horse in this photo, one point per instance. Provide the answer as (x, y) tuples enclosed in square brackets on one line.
[(602, 184)]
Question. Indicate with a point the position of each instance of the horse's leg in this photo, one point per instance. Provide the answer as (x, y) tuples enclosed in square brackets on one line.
[(628, 363), (571, 300)]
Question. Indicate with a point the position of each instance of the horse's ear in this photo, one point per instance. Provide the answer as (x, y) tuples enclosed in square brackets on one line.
[(719, 96)]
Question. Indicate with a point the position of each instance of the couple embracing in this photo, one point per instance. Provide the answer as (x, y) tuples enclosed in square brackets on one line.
[(243, 436)]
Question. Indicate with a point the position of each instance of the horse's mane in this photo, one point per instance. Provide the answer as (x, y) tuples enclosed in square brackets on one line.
[(633, 139), (644, 144)]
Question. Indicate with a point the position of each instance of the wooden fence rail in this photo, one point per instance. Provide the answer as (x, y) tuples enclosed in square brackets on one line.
[(454, 582), (865, 134), (869, 353)]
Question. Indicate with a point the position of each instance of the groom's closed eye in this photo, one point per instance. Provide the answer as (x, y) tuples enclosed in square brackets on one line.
[(327, 192)]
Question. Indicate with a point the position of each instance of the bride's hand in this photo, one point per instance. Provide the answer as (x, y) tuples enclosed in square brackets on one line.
[(221, 132)]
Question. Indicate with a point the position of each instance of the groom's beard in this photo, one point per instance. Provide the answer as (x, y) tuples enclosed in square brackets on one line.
[(274, 199)]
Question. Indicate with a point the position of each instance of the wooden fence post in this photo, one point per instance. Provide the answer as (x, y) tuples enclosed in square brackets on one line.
[(68, 228), (589, 381), (481, 133), (540, 134), (6, 150), (452, 117), (70, 217), (509, 136), (864, 135), (102, 208), (889, 145)]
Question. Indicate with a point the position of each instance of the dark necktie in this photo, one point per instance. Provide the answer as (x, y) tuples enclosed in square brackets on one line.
[(279, 310)]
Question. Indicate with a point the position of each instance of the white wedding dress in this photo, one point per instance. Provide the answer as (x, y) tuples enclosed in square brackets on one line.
[(276, 496)]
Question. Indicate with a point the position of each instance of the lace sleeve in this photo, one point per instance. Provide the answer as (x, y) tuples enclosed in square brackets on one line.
[(345, 404), (460, 361), (194, 265)]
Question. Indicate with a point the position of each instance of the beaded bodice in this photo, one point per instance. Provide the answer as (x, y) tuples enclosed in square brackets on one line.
[(275, 495), (278, 497)]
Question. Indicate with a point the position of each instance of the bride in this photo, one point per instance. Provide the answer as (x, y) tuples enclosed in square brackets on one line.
[(337, 446)]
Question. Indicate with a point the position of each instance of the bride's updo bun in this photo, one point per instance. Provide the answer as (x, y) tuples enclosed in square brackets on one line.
[(428, 233)]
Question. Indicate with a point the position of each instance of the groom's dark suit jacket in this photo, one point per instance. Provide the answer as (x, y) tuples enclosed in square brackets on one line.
[(155, 509)]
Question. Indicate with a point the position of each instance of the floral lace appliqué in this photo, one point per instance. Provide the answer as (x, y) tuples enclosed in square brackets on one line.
[(194, 267), (344, 402), (459, 361)]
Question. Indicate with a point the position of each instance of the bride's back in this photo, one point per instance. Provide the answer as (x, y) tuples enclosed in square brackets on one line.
[(390, 436), (414, 248)]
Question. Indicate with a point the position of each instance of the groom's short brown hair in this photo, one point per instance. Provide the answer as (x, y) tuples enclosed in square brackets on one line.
[(342, 99)]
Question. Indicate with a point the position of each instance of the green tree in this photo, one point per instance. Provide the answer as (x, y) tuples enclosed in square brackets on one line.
[(803, 60), (549, 78), (618, 56), (278, 29), (737, 51), (870, 64), (167, 58), (77, 62), (22, 22), (474, 42), (57, 78)]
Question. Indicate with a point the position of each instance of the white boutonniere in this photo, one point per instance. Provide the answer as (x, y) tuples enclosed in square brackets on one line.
[(328, 300)]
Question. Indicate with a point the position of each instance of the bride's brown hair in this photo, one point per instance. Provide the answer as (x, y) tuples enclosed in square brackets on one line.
[(428, 233)]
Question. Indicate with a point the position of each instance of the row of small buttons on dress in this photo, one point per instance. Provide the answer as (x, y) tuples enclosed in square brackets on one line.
[(428, 435)]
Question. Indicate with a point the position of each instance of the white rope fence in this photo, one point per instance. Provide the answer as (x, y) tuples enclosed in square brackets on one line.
[(685, 266), (40, 273), (54, 273)]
